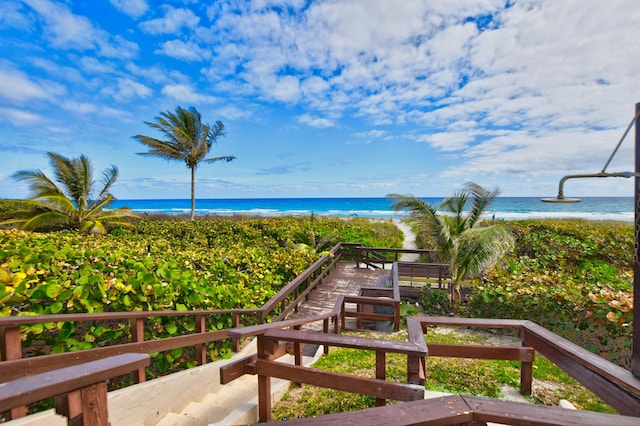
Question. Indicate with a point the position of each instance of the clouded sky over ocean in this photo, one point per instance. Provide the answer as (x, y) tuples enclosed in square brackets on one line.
[(334, 98)]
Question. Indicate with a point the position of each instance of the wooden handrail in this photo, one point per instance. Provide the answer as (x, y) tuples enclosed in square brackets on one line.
[(615, 385), (83, 387), (465, 409), (14, 369)]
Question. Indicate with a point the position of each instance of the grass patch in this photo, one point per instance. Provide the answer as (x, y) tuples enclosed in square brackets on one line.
[(465, 376)]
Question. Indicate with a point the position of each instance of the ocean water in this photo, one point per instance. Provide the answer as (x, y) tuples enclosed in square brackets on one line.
[(504, 208)]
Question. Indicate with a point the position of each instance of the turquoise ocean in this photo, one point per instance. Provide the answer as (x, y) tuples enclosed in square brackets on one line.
[(504, 208)]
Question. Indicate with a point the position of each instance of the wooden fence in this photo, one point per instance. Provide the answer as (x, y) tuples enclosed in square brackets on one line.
[(612, 383)]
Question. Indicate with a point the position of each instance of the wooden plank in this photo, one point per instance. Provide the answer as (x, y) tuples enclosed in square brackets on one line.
[(519, 413), (447, 410), (12, 321), (513, 353), (30, 389), (472, 322), (343, 382), (256, 330), (14, 369), (415, 334), (615, 385), (94, 405), (354, 342), (236, 369)]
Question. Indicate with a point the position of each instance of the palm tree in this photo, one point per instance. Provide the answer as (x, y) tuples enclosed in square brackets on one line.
[(189, 140), (459, 235), (71, 203)]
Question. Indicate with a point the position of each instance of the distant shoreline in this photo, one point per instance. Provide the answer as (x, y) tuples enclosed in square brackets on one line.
[(619, 209)]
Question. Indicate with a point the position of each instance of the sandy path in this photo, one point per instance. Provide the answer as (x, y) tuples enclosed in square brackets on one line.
[(408, 243)]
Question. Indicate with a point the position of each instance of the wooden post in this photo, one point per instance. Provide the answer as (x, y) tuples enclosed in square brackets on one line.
[(526, 377), (137, 335), (235, 341), (297, 353), (381, 374), (416, 370), (264, 386), (94, 405), (11, 348), (70, 406), (201, 349), (84, 407)]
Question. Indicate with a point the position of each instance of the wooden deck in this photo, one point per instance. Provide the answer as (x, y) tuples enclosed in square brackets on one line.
[(346, 279)]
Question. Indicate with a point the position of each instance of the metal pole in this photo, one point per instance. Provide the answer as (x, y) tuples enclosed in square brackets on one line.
[(635, 352)]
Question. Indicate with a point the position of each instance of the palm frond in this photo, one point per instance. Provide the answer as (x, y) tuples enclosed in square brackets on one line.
[(46, 219), (56, 202), (109, 177), (38, 182), (188, 140), (481, 198), (226, 158)]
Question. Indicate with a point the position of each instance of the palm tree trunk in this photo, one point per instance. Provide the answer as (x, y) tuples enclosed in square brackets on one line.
[(193, 193)]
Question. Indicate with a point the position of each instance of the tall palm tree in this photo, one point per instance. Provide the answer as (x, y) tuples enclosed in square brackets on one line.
[(72, 203), (188, 140), (459, 234)]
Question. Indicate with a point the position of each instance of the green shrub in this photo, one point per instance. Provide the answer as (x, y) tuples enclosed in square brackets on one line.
[(153, 266), (572, 277)]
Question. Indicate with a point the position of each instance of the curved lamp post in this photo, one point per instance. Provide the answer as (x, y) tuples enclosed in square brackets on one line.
[(635, 352)]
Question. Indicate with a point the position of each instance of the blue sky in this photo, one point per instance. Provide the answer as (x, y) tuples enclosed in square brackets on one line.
[(336, 98)]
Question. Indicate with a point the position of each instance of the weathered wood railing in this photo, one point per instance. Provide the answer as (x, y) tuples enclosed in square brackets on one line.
[(423, 272), (80, 390), (264, 365), (465, 410), (612, 383), (289, 298), (372, 256), (615, 385), (13, 366)]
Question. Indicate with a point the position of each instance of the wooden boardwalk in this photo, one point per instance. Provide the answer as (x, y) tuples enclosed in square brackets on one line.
[(345, 279)]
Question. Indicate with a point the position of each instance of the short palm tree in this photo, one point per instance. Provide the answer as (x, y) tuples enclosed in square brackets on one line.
[(72, 203), (459, 234), (188, 140)]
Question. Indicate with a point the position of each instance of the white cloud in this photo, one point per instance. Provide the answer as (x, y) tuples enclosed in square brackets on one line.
[(20, 117), (234, 113), (186, 93), (66, 30), (18, 87), (188, 51), (80, 107), (133, 8), (315, 121), (172, 22), (448, 141), (127, 90)]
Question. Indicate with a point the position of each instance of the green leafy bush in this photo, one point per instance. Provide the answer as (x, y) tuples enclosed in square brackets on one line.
[(153, 266), (572, 277)]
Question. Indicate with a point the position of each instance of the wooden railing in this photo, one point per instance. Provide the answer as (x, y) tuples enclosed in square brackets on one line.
[(374, 256), (615, 385), (13, 366), (81, 390), (270, 347), (612, 383), (465, 410)]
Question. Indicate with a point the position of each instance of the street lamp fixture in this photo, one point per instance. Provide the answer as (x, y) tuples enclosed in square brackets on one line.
[(635, 351)]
